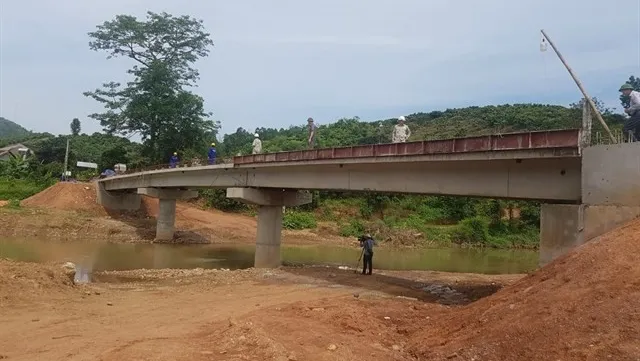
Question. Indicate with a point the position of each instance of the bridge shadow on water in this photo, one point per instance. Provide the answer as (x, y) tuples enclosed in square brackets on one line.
[(436, 291)]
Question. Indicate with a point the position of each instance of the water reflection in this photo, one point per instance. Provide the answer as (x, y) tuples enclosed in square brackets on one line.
[(90, 257)]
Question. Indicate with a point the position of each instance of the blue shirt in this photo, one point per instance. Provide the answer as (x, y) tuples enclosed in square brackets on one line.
[(174, 159), (212, 153), (368, 246)]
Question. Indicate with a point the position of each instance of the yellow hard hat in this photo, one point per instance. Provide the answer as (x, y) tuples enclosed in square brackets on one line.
[(213, 144), (175, 153)]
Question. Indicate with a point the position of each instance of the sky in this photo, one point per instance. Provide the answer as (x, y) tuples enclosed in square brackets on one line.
[(275, 63)]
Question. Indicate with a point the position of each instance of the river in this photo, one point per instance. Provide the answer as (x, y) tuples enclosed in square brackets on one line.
[(114, 256)]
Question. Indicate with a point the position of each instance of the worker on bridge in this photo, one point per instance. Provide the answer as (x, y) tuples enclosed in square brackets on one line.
[(257, 144), (367, 243), (632, 124), (401, 132), (311, 141), (174, 160), (212, 154)]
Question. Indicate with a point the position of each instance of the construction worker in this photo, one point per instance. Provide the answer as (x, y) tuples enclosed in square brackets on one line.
[(631, 124), (311, 141), (257, 144), (174, 160), (401, 132), (211, 155), (367, 243)]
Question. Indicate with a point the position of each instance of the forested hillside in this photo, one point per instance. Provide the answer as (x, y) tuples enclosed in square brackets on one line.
[(9, 129)]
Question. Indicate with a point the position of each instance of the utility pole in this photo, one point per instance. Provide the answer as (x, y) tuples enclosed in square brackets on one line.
[(66, 161), (579, 84)]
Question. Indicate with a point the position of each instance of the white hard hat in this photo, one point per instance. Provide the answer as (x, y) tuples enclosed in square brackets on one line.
[(256, 135), (401, 118)]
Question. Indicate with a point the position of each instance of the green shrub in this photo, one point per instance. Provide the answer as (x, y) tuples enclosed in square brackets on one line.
[(474, 230), (14, 203), (298, 220), (217, 198), (354, 228)]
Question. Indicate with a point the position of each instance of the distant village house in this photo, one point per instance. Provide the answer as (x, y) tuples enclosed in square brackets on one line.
[(14, 150)]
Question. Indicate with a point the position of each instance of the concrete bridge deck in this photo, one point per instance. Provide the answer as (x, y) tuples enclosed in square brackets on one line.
[(514, 166), (587, 190)]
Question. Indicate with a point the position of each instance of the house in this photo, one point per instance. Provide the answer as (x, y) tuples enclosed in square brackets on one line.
[(17, 150)]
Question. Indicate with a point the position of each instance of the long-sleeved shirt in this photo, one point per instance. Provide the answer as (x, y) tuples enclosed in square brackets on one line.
[(257, 146), (401, 133), (634, 101)]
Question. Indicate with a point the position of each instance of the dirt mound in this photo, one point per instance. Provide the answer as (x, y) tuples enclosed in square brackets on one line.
[(67, 196), (21, 281), (583, 306)]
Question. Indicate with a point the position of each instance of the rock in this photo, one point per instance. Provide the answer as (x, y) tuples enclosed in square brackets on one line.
[(109, 304), (453, 355), (332, 347), (407, 298), (206, 352), (242, 338), (395, 348), (88, 293), (387, 317), (332, 274), (317, 309), (223, 352), (356, 295), (97, 293), (292, 357), (69, 269)]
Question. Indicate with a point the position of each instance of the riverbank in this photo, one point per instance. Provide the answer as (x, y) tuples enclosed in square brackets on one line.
[(582, 306), (68, 211)]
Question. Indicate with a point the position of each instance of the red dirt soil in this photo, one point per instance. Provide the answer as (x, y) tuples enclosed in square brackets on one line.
[(67, 196), (582, 306)]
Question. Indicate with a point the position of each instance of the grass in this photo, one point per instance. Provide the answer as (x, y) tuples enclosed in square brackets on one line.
[(18, 189)]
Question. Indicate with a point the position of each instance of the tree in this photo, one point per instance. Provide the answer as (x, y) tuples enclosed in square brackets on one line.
[(599, 105), (75, 126), (155, 104), (635, 83)]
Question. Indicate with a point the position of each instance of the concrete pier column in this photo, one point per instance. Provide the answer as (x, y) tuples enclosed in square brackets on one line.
[(165, 226), (120, 200), (271, 203), (166, 219), (268, 237)]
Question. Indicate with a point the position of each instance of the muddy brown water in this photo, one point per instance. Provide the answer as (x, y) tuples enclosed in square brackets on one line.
[(111, 256)]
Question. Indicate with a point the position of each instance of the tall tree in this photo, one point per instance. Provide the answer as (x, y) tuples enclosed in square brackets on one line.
[(635, 83), (156, 103), (75, 126)]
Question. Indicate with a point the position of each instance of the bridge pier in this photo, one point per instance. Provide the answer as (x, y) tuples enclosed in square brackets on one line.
[(165, 224), (270, 203)]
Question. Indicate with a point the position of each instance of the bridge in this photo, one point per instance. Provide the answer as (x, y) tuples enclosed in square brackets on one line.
[(586, 190)]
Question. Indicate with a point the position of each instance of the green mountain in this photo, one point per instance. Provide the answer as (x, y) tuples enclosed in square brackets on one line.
[(9, 129)]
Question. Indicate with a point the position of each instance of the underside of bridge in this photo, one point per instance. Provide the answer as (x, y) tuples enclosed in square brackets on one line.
[(584, 196)]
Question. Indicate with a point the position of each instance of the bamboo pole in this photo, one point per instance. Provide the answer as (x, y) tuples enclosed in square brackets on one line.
[(584, 92)]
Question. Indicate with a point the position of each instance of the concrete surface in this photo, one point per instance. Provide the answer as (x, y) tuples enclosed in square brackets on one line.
[(117, 200), (168, 193), (566, 226), (166, 221), (611, 174), (268, 237), (514, 179), (269, 197)]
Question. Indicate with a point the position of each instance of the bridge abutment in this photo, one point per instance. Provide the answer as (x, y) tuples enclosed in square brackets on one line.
[(120, 200), (167, 197), (610, 193), (270, 203)]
